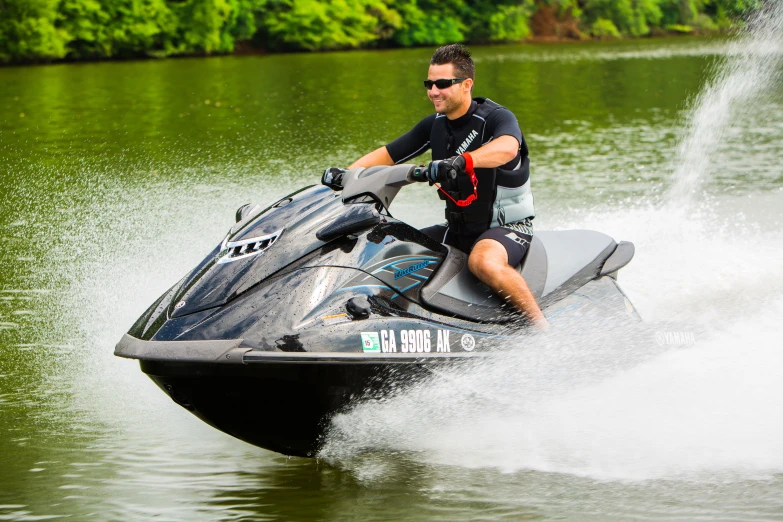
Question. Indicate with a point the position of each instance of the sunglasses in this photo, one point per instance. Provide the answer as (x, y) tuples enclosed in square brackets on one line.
[(443, 83)]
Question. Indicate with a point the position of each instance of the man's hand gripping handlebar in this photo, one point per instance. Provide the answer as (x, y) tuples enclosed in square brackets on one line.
[(442, 171)]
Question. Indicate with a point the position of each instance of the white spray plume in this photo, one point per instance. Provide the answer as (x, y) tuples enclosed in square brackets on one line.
[(751, 67)]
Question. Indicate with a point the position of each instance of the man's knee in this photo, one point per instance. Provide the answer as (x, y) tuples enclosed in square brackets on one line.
[(487, 258), (476, 263)]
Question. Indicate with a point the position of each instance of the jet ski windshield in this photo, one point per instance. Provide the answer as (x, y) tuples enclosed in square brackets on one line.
[(381, 184)]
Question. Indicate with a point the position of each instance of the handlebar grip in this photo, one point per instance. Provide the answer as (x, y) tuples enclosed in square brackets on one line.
[(419, 173)]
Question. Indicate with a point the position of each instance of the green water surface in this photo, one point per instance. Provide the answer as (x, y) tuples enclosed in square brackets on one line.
[(116, 178)]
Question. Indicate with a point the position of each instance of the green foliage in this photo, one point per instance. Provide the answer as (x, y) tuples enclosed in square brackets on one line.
[(28, 31), (214, 25), (117, 27), (328, 24), (730, 7), (723, 11), (603, 28), (86, 29), (201, 23), (425, 23), (498, 21), (677, 28), (705, 23), (678, 12), (565, 6), (632, 17), (509, 23)]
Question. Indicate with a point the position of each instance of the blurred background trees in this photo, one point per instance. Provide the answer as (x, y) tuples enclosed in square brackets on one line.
[(44, 30)]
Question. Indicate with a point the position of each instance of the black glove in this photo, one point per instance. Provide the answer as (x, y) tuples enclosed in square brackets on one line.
[(333, 178), (439, 171)]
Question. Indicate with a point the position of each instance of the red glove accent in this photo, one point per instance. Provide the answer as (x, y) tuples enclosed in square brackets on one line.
[(473, 179), (468, 163)]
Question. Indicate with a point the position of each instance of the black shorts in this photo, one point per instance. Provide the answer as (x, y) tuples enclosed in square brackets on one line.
[(514, 241)]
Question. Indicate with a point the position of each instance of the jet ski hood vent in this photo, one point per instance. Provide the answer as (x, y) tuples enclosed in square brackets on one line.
[(264, 242), (244, 248)]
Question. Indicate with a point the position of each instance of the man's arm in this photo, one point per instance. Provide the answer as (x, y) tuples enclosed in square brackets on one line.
[(377, 157), (496, 153), (409, 145), (508, 142)]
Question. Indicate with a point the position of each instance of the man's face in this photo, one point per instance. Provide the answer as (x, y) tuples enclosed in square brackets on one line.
[(449, 99)]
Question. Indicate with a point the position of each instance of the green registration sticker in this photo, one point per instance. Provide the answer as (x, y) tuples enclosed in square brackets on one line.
[(371, 342)]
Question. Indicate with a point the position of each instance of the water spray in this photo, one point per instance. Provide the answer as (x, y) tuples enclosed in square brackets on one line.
[(751, 66)]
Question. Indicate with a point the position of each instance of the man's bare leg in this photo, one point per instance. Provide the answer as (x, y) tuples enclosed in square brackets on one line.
[(488, 261)]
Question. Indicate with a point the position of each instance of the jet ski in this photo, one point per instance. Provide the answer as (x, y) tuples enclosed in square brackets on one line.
[(323, 299)]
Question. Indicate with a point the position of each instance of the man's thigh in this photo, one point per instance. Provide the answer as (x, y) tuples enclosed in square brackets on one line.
[(516, 244)]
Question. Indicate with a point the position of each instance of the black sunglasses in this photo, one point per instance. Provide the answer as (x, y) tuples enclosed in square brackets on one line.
[(443, 83)]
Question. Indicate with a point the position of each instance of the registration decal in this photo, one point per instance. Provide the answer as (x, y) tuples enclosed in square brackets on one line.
[(370, 342)]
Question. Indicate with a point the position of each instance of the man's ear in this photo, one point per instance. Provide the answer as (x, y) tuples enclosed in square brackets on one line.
[(468, 84)]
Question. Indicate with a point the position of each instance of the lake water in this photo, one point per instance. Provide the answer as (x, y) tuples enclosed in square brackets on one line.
[(117, 178)]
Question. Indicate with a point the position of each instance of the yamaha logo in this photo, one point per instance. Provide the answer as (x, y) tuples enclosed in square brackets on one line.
[(465, 144), (179, 305), (468, 342)]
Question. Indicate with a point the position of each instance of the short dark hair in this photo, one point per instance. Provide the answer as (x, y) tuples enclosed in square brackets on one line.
[(457, 55)]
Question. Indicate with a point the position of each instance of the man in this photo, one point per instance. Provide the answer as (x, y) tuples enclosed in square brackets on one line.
[(488, 213)]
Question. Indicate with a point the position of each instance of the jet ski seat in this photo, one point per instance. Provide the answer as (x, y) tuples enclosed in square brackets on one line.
[(557, 262)]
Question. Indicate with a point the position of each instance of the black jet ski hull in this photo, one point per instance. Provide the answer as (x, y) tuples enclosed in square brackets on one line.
[(281, 404), (319, 301)]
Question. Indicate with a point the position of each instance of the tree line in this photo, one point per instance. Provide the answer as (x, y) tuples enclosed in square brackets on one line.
[(45, 30)]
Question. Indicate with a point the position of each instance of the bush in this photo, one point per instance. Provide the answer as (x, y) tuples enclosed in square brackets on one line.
[(28, 31), (328, 24), (677, 28), (430, 24), (705, 23), (509, 23), (603, 28), (117, 27), (632, 17)]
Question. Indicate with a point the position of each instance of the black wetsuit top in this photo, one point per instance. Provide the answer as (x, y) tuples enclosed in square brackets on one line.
[(436, 132), (418, 140)]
